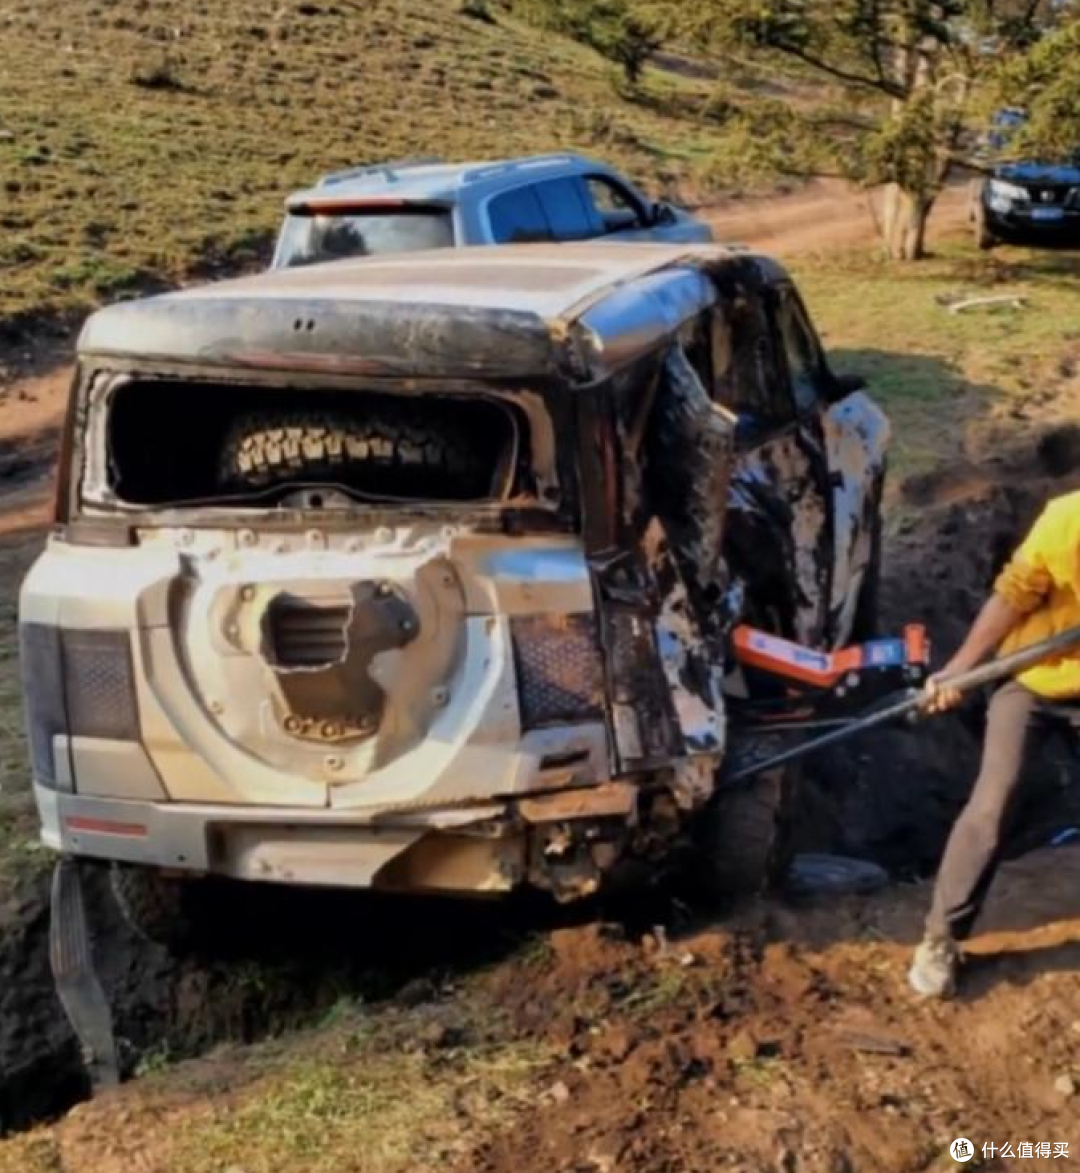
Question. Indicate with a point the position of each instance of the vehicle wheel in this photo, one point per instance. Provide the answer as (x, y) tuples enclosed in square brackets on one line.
[(984, 237), (157, 907), (744, 836), (383, 453), (867, 622)]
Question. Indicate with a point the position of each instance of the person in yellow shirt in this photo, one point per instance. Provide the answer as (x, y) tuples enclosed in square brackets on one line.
[(1035, 596)]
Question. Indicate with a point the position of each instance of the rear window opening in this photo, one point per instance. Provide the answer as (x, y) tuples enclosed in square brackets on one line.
[(310, 235), (176, 443)]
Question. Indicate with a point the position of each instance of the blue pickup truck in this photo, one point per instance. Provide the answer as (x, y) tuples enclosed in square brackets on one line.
[(422, 204)]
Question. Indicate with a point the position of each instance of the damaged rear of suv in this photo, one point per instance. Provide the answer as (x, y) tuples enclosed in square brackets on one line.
[(416, 573)]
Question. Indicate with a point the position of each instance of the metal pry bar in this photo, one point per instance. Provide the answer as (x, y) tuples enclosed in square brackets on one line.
[(77, 985)]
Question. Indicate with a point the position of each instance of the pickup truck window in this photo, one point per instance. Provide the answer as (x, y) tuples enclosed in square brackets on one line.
[(806, 366), (566, 205), (355, 231), (517, 217), (616, 207)]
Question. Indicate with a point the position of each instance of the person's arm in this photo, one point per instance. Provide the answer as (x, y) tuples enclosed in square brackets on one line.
[(1020, 588), (995, 621)]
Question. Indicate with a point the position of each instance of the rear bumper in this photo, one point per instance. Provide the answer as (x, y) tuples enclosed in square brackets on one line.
[(478, 850), (282, 844)]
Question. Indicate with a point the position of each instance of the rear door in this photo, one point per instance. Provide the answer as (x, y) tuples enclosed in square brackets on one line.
[(568, 209), (779, 539), (517, 217), (853, 433), (553, 209)]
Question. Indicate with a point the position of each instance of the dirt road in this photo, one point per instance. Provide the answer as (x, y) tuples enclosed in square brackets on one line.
[(825, 215)]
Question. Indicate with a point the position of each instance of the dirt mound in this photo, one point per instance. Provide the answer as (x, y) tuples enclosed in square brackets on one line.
[(787, 1041)]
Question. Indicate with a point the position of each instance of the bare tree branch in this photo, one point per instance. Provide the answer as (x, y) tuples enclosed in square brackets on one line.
[(882, 86)]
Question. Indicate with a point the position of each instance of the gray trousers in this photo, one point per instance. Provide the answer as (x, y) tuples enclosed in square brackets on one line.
[(973, 851)]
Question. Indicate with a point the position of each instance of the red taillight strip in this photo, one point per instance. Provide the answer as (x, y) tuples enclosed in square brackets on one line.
[(346, 205), (106, 827)]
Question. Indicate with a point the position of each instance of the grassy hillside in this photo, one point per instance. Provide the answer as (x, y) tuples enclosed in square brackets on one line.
[(141, 142)]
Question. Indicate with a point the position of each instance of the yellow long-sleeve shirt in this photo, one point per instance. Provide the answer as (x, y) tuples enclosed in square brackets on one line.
[(1042, 581)]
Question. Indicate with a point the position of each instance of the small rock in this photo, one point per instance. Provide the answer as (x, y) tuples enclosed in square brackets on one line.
[(615, 1041), (1065, 1085), (688, 960), (743, 1047), (559, 1092), (439, 1034)]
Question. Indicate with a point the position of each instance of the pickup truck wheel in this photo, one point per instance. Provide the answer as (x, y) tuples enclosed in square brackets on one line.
[(984, 237), (381, 454), (157, 907), (744, 837)]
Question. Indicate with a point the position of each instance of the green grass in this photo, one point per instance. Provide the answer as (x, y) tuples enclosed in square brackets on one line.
[(359, 1095), (937, 373), (142, 143), (381, 1116), (19, 847)]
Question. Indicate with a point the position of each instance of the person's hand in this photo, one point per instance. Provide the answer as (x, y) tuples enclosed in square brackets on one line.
[(938, 695)]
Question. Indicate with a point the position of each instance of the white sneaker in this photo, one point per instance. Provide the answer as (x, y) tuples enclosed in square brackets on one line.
[(933, 968)]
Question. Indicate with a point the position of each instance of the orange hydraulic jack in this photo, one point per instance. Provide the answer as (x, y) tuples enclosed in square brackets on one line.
[(789, 683), (824, 690)]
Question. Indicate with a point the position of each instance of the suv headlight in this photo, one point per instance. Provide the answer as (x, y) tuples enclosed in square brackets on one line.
[(1004, 194)]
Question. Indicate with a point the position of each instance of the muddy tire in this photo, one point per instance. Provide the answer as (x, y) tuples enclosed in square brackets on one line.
[(383, 453), (984, 237), (157, 907), (744, 837)]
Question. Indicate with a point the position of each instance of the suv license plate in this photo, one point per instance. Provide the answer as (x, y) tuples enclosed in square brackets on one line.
[(1047, 213)]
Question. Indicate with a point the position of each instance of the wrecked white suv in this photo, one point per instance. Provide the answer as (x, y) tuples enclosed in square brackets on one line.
[(415, 573)]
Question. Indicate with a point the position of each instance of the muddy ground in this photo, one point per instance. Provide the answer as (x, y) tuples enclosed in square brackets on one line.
[(780, 1038)]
